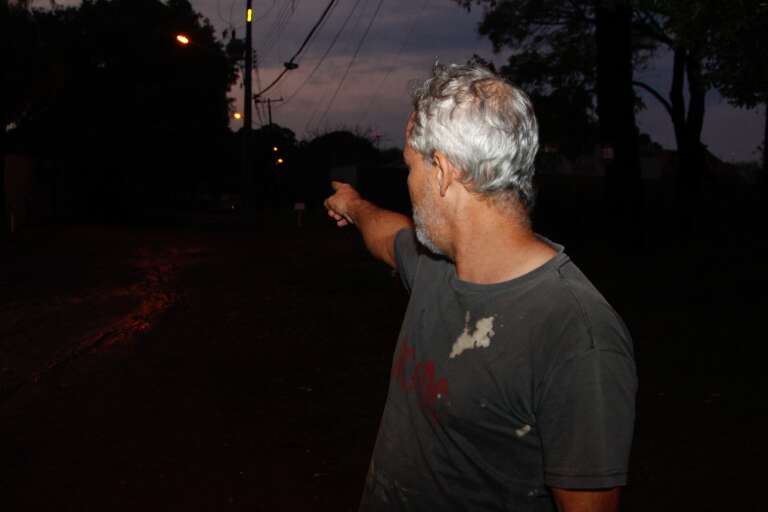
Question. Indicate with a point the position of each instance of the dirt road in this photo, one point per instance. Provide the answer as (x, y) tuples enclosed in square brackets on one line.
[(244, 368)]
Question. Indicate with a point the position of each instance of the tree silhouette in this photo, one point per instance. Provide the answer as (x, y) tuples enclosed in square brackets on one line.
[(553, 46), (737, 65), (565, 54), (128, 114)]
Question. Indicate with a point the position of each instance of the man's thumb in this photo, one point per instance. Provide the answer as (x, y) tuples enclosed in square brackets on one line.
[(337, 184)]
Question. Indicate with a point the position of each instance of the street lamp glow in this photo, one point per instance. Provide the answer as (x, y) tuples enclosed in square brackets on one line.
[(279, 161), (274, 148), (182, 39), (237, 115)]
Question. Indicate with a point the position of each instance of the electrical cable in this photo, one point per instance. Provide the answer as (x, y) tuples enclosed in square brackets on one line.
[(232, 13), (255, 70), (409, 31), (259, 107), (318, 105), (221, 16), (312, 31), (314, 28), (266, 13), (276, 29), (311, 36), (351, 61), (303, 45), (320, 28), (323, 57), (273, 83), (271, 38)]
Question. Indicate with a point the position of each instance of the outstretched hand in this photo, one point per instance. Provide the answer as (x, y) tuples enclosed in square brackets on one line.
[(340, 204)]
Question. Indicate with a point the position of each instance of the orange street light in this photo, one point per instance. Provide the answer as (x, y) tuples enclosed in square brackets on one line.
[(182, 39), (274, 148), (279, 161), (237, 115)]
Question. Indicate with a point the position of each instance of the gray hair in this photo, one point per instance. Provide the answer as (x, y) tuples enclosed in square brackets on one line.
[(483, 124)]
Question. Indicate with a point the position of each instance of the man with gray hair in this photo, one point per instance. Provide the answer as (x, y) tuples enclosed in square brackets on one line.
[(513, 381)]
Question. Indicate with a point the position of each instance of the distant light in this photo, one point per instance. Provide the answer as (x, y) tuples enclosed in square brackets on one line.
[(274, 148), (237, 115), (279, 161), (182, 39), (249, 15)]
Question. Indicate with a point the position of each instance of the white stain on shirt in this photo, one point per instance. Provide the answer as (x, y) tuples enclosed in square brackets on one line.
[(479, 337), (520, 432)]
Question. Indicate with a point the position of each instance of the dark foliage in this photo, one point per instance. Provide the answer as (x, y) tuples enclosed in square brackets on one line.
[(124, 114)]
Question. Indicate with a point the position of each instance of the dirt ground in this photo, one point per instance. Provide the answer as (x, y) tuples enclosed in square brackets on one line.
[(220, 366)]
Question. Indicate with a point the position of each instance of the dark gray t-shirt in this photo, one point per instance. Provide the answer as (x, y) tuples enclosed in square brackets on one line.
[(499, 391)]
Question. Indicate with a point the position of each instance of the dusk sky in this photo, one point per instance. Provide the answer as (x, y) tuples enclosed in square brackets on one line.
[(405, 38)]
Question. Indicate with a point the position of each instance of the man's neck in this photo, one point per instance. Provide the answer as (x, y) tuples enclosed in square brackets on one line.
[(492, 246)]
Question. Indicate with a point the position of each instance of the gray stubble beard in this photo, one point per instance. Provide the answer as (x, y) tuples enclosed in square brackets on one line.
[(421, 232)]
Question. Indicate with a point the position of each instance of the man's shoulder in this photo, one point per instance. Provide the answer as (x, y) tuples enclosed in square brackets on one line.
[(588, 313)]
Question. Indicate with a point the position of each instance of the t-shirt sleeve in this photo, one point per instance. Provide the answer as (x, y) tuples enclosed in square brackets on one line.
[(406, 256), (586, 416)]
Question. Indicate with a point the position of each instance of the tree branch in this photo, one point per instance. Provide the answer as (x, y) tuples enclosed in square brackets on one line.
[(650, 27), (580, 12), (656, 95), (677, 98)]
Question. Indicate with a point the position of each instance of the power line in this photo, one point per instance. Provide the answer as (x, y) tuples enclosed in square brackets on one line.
[(276, 30), (320, 102), (327, 51), (266, 13), (232, 13), (314, 28), (351, 61), (406, 40), (291, 64), (322, 26), (238, 26), (221, 16), (256, 66)]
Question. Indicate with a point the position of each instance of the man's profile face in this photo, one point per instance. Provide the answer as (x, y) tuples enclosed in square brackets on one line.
[(422, 188)]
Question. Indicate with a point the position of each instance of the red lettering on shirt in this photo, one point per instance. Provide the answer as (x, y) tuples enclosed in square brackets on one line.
[(422, 380), (406, 353), (428, 388)]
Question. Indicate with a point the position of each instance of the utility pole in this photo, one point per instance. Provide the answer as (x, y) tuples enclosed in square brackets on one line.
[(247, 192), (269, 102), (248, 82)]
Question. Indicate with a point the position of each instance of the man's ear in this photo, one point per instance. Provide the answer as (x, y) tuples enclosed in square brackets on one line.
[(447, 173)]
